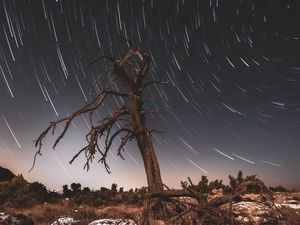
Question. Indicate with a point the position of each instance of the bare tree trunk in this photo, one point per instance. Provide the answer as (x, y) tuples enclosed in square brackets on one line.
[(144, 140), (150, 161), (155, 208)]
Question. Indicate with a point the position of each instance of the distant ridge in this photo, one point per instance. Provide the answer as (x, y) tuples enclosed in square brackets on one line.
[(5, 174)]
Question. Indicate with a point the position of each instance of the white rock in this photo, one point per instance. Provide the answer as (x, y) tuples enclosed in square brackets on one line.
[(3, 216), (64, 221), (251, 212), (293, 206), (113, 222)]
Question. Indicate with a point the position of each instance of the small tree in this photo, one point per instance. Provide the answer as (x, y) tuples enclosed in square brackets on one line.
[(203, 185), (233, 182), (278, 189), (240, 177), (66, 191), (216, 184), (38, 191), (114, 188), (86, 190), (76, 187)]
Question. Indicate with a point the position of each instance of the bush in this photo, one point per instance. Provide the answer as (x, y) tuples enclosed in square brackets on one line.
[(18, 193), (278, 189)]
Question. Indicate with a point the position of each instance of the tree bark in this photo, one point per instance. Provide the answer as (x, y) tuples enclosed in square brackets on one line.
[(144, 140), (150, 161)]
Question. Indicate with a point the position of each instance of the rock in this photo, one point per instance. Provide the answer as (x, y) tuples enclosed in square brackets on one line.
[(15, 219), (64, 221), (3, 216), (288, 200), (113, 222), (257, 213), (254, 213), (293, 206)]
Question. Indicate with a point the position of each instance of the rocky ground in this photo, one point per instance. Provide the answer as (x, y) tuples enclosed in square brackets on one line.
[(70, 221), (252, 209)]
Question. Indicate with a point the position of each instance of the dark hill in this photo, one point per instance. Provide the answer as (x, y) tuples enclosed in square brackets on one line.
[(5, 174)]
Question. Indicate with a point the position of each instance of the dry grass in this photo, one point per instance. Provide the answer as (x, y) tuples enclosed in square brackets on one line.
[(47, 213), (43, 214), (120, 211)]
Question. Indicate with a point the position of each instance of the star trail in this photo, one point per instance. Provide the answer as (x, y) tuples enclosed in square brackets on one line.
[(231, 102)]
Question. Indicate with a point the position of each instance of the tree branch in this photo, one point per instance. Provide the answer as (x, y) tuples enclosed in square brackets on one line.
[(109, 72), (110, 58), (95, 135), (90, 107), (155, 82)]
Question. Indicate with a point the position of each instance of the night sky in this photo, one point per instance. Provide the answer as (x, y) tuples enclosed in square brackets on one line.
[(232, 102)]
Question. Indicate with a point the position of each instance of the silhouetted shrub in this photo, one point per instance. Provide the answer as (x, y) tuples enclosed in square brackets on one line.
[(216, 184), (114, 188), (18, 193), (75, 187), (233, 182), (278, 189), (240, 177), (203, 185), (227, 189), (38, 191), (86, 190), (66, 191)]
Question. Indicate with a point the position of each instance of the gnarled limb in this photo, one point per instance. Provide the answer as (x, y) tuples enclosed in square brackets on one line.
[(95, 132), (107, 72)]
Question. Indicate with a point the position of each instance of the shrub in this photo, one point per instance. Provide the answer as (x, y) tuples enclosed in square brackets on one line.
[(278, 189), (18, 193)]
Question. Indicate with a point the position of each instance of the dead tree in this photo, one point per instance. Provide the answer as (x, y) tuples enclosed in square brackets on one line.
[(126, 79)]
